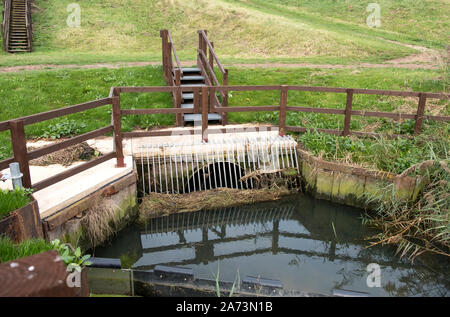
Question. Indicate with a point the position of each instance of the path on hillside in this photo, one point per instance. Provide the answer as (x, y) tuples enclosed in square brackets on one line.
[(426, 58), (391, 64)]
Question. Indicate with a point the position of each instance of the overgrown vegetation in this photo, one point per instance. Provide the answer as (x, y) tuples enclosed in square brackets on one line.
[(156, 204), (391, 155), (11, 251), (11, 200), (73, 258), (63, 128), (415, 227)]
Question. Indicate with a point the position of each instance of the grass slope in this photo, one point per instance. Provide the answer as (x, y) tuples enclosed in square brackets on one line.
[(125, 30)]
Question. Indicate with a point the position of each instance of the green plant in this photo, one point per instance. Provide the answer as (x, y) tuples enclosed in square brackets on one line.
[(63, 128), (11, 200), (10, 251), (233, 287), (72, 257)]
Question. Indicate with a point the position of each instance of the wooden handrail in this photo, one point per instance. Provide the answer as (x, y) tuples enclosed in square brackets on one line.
[(211, 50), (175, 53), (28, 24), (6, 22)]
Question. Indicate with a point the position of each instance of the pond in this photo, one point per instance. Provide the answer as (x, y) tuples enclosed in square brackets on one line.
[(309, 245)]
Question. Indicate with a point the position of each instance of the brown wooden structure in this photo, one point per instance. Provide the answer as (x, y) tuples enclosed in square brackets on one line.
[(17, 26)]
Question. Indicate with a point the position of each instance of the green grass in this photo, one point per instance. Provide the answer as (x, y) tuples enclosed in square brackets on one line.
[(415, 22), (11, 251), (11, 200), (259, 30), (392, 155)]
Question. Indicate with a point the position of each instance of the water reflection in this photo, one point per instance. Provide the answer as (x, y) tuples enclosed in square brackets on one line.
[(308, 244)]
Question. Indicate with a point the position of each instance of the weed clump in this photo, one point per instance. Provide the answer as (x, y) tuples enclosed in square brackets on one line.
[(419, 226)]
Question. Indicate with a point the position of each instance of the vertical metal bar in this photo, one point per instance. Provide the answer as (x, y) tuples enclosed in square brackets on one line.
[(143, 172), (154, 168), (187, 172), (182, 170), (159, 168), (176, 169), (149, 172)]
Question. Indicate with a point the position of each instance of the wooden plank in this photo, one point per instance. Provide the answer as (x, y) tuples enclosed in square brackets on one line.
[(316, 110), (283, 105), (247, 109), (69, 142), (84, 204), (420, 112), (318, 89), (191, 132), (4, 125), (397, 116), (19, 146), (303, 129), (249, 88), (348, 112), (73, 171), (43, 116), (5, 163), (155, 111)]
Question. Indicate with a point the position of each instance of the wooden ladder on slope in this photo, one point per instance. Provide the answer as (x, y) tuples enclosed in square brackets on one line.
[(200, 76)]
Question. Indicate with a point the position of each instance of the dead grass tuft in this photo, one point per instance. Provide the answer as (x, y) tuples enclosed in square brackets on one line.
[(156, 204), (67, 156)]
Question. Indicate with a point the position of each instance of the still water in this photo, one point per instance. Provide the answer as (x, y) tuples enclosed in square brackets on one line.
[(309, 245)]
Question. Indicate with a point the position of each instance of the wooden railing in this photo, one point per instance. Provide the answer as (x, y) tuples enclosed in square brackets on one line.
[(172, 75), (5, 23), (207, 103), (23, 156), (29, 25), (205, 61)]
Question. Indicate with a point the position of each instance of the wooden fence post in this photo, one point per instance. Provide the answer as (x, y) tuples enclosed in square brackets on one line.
[(19, 146), (420, 113), (205, 112), (117, 122), (283, 105), (164, 36), (178, 97), (225, 98), (348, 112)]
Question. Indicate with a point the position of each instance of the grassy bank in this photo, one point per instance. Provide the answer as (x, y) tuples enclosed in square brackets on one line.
[(317, 32), (11, 200)]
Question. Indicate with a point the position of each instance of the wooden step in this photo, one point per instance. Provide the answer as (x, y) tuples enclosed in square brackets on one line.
[(193, 78), (196, 117)]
